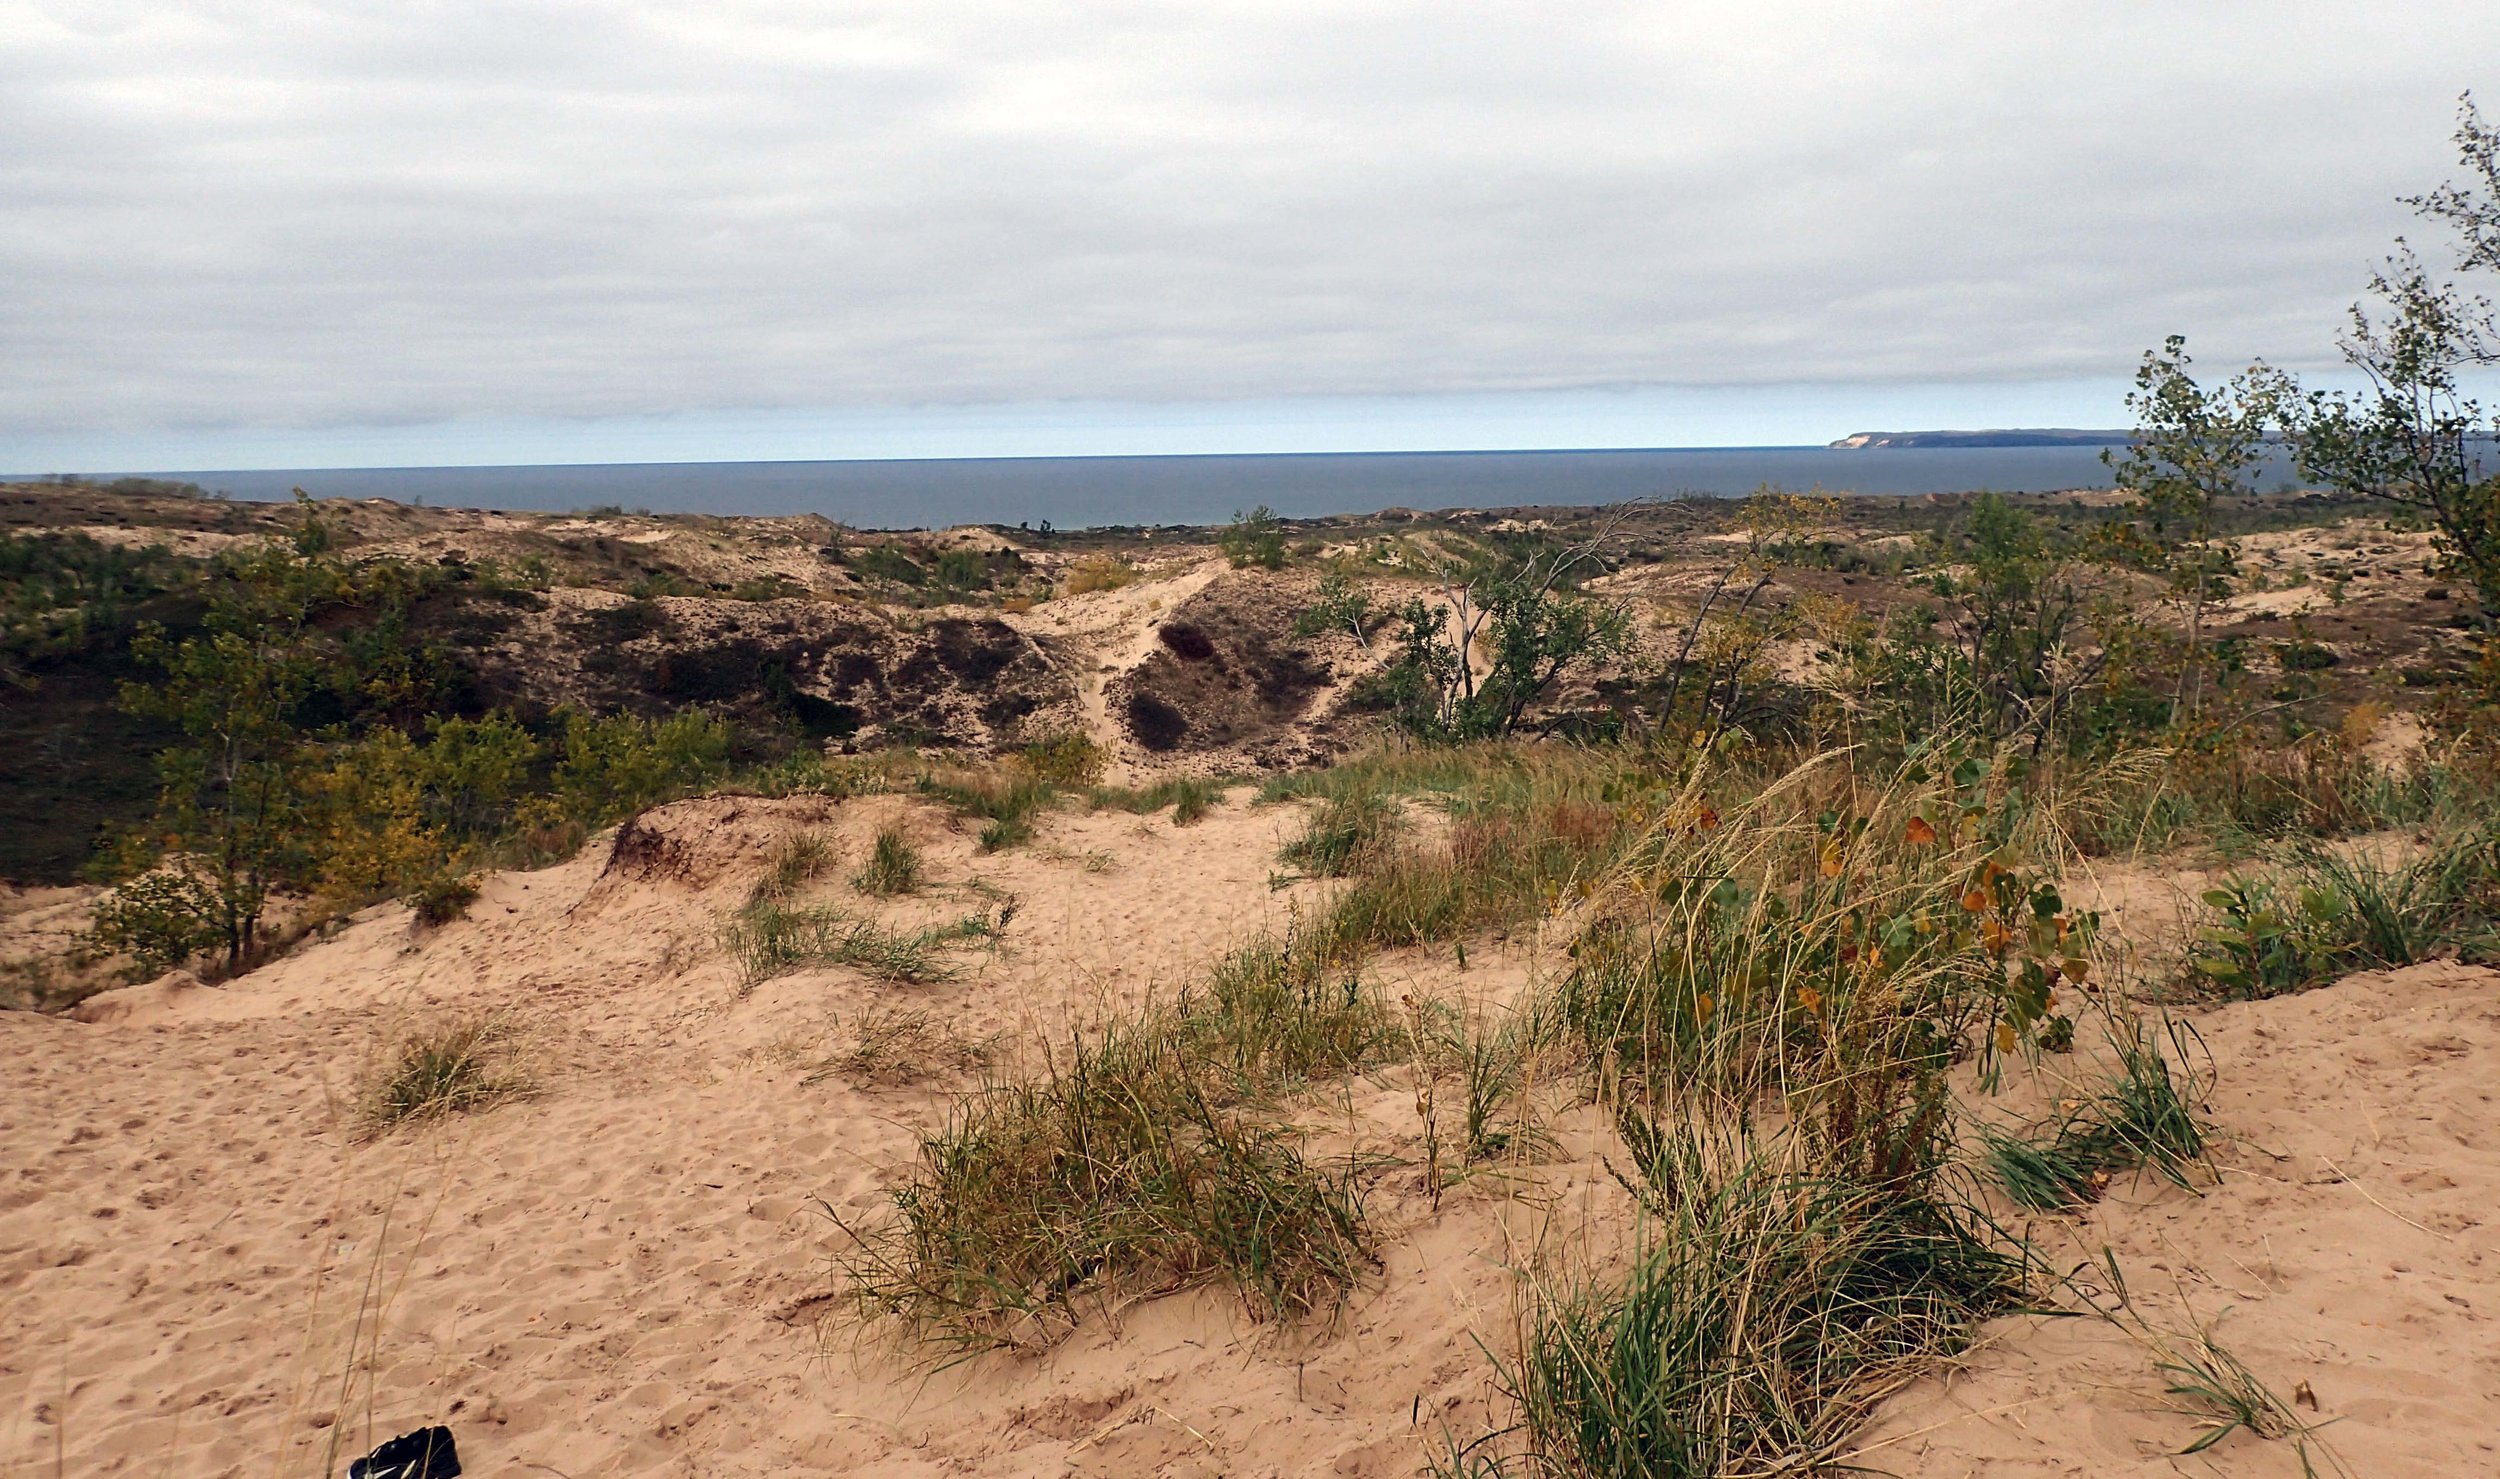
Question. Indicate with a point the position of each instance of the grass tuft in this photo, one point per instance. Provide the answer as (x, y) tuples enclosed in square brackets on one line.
[(802, 858), (772, 940), (1775, 1305), (901, 1045), (2145, 1117), (439, 1071), (1190, 797), (1347, 834), (894, 865), (1142, 1158)]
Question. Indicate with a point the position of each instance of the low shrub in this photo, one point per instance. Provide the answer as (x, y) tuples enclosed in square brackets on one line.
[(444, 898), (1097, 573)]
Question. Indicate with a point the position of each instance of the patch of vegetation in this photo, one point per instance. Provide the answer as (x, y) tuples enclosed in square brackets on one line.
[(1775, 1304), (439, 1071), (769, 940), (900, 1045), (1139, 1160), (1097, 573), (2145, 1117), (802, 858), (894, 865), (1346, 834), (2326, 913), (1255, 538), (1189, 797)]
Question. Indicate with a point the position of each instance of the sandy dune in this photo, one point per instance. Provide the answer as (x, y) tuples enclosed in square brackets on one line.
[(203, 1271)]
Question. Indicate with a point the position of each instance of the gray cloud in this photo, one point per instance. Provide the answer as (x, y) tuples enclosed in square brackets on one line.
[(318, 213)]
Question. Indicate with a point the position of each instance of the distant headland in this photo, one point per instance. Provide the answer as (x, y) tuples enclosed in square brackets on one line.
[(2050, 436)]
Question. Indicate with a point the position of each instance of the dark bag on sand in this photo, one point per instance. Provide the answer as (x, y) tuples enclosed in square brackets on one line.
[(424, 1454)]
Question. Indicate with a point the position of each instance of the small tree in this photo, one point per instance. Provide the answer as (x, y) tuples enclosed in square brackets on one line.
[(1527, 623), (1256, 538), (1338, 605), (2192, 447), (231, 796), (2414, 437)]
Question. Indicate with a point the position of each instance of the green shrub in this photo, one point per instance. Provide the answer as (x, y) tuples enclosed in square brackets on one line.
[(1255, 538), (160, 920), (444, 897), (611, 766)]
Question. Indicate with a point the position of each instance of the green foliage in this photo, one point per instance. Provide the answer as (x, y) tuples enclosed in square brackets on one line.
[(610, 766), (1255, 538), (1134, 1164), (2327, 913), (893, 865), (1999, 649), (2192, 447), (61, 593), (160, 920), (444, 897), (2414, 437), (1339, 605), (1064, 762), (1521, 619)]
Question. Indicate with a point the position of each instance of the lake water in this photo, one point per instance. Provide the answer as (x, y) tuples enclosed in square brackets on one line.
[(1077, 492)]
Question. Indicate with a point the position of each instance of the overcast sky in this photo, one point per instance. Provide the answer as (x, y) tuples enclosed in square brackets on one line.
[(262, 227)]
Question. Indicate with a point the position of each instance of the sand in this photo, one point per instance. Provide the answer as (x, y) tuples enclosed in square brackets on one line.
[(204, 1270)]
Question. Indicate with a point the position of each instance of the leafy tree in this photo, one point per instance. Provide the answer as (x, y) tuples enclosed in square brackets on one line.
[(232, 798), (2192, 446), (2414, 437), (1339, 604), (1526, 623)]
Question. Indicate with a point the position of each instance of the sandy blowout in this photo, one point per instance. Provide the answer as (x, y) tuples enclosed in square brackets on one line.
[(208, 1270)]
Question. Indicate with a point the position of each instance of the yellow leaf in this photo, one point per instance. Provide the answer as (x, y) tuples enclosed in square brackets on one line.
[(2005, 1037)]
